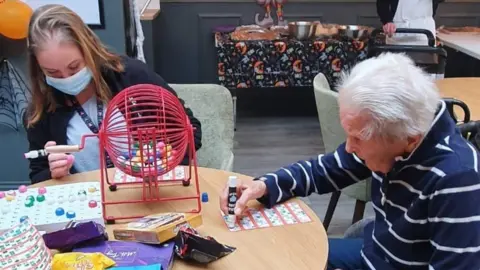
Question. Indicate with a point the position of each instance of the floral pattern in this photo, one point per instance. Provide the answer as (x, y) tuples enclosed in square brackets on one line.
[(287, 62)]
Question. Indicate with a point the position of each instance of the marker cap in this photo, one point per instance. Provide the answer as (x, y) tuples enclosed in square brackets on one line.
[(232, 181), (31, 154)]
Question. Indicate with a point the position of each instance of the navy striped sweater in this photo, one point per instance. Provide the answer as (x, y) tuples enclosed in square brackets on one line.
[(427, 208)]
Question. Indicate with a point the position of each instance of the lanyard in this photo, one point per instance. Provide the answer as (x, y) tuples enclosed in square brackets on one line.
[(88, 121)]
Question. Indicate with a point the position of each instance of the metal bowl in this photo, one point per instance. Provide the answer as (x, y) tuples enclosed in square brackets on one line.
[(353, 31), (302, 30)]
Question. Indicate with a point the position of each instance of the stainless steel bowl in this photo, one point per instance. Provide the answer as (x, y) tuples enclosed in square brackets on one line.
[(302, 30), (353, 31)]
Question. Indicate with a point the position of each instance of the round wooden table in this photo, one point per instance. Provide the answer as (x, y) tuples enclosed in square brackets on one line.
[(299, 246), (464, 89)]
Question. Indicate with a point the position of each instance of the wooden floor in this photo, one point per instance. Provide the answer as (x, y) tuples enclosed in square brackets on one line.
[(265, 144)]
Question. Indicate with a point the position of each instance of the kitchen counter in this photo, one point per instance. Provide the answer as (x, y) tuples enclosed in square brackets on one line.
[(149, 14), (466, 43)]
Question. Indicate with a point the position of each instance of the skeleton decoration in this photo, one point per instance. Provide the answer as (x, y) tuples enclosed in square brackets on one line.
[(267, 20)]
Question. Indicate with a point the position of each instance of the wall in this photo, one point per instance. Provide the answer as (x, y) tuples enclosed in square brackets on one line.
[(13, 166), (186, 52)]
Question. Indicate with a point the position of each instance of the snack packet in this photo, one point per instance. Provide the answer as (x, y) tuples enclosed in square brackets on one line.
[(191, 246), (84, 261)]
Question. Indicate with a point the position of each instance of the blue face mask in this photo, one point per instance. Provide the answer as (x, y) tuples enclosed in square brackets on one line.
[(72, 85)]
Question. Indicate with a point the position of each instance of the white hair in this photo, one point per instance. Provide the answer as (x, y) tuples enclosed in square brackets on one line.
[(399, 97)]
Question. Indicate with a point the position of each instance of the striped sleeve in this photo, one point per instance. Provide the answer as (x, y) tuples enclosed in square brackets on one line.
[(324, 174), (454, 221)]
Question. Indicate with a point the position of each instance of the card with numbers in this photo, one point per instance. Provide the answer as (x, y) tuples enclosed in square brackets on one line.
[(282, 214), (23, 249), (177, 174)]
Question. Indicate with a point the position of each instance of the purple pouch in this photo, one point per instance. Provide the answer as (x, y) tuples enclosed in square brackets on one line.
[(75, 234)]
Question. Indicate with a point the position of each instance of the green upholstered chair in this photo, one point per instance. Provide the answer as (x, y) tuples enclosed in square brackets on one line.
[(334, 135), (212, 105)]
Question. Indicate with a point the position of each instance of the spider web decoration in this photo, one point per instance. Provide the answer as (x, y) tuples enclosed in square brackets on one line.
[(13, 96)]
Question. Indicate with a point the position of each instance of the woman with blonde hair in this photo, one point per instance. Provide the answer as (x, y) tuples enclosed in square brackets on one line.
[(73, 76)]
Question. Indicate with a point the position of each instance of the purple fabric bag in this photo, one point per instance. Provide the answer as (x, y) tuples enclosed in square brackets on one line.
[(75, 234)]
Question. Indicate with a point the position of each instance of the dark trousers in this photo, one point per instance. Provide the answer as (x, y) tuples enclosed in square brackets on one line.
[(345, 254)]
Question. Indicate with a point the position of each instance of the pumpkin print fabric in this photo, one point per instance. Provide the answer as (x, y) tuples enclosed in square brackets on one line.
[(286, 62)]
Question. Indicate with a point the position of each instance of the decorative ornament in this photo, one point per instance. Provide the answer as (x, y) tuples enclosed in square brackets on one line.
[(267, 20)]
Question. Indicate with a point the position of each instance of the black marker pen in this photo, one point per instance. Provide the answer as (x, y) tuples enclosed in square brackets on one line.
[(232, 200)]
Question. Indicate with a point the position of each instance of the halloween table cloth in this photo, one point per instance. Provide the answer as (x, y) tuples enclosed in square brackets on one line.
[(285, 62)]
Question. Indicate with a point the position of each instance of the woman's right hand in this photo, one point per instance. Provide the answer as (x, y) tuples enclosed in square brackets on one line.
[(389, 29), (59, 164)]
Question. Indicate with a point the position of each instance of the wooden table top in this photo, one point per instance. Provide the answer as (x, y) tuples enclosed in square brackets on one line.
[(300, 246), (464, 89)]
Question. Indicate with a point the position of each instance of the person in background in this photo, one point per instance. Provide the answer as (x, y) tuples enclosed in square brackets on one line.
[(417, 14), (73, 77), (425, 175)]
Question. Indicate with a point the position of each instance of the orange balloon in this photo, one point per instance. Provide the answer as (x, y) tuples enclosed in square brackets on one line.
[(14, 18)]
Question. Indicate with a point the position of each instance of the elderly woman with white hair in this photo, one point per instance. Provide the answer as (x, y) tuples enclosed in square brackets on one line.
[(426, 184)]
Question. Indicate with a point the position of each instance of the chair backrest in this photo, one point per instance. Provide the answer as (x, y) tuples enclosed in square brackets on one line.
[(212, 105), (451, 103), (328, 113)]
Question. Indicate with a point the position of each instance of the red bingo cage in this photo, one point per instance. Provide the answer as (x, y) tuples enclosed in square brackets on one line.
[(146, 135)]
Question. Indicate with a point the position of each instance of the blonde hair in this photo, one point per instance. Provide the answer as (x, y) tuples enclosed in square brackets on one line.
[(59, 22)]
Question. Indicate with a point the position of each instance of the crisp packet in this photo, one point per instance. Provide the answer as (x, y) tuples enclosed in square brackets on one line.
[(191, 246), (142, 267), (75, 234), (126, 253), (84, 261)]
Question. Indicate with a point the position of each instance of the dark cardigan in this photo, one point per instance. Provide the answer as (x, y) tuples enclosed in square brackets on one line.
[(53, 126)]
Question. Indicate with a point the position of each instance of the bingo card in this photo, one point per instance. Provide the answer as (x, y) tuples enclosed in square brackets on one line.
[(177, 174), (23, 249), (282, 214)]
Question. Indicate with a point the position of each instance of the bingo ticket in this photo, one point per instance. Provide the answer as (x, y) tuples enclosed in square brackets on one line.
[(279, 215)]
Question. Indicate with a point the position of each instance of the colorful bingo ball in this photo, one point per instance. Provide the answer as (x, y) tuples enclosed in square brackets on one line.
[(29, 203), (42, 190), (136, 167), (40, 198), (136, 159), (136, 144), (127, 155), (22, 189), (59, 212), (121, 161), (160, 145)]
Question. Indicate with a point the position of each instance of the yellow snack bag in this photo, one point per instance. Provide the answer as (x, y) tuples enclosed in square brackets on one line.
[(81, 261)]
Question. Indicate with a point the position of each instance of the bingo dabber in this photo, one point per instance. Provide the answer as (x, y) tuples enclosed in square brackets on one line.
[(232, 200)]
